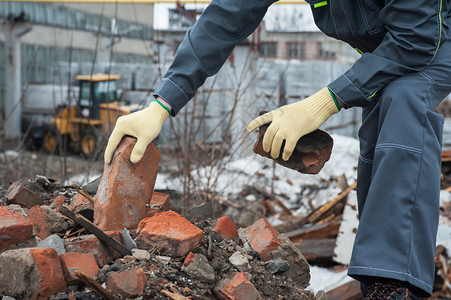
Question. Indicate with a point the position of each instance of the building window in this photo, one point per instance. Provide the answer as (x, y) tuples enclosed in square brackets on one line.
[(295, 50), (268, 49), (325, 53)]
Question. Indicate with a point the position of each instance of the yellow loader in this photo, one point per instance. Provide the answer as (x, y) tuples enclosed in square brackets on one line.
[(86, 126)]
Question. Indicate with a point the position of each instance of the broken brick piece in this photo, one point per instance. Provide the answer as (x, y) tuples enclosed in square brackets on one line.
[(262, 238), (174, 235), (312, 151), (150, 212), (41, 223), (160, 200), (226, 227), (15, 229), (91, 244), (58, 201), (49, 266), (188, 259), (46, 221), (83, 206), (18, 193), (128, 283), (237, 287), (196, 265), (125, 188), (73, 261), (31, 273)]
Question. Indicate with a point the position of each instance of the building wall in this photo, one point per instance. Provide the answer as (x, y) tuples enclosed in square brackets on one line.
[(316, 45), (77, 32)]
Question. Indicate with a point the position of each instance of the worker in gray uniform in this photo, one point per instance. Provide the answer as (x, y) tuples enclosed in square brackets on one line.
[(404, 72)]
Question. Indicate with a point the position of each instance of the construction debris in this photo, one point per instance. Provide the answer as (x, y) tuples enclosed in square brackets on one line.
[(174, 259), (167, 256)]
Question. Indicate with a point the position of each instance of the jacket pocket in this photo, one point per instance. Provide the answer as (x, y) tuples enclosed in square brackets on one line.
[(369, 10)]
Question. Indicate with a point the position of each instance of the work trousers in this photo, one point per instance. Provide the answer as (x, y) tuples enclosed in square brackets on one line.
[(399, 178)]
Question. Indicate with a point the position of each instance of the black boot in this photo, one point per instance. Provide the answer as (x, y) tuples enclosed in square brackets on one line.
[(389, 289)]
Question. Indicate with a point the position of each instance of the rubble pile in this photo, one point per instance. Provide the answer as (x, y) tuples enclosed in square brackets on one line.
[(71, 242)]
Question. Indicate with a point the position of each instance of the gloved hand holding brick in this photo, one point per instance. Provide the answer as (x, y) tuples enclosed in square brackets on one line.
[(290, 122)]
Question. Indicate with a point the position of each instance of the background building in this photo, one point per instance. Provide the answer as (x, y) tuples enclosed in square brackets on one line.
[(268, 69)]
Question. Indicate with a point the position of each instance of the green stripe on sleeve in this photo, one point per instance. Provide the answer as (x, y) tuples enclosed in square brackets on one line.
[(324, 3)]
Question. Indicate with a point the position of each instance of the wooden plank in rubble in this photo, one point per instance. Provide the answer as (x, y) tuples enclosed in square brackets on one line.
[(99, 233), (347, 291), (319, 231), (327, 208), (318, 251)]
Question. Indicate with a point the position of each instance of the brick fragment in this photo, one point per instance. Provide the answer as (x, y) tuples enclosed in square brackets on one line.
[(197, 267), (58, 201), (15, 229), (18, 193), (40, 222), (226, 227), (31, 273), (82, 205), (238, 287), (125, 188), (262, 237), (49, 266), (91, 244), (73, 261), (188, 259), (312, 151), (150, 212), (161, 201), (46, 221), (174, 235), (128, 283)]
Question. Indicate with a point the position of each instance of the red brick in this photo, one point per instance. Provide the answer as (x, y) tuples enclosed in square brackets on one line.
[(312, 151), (73, 261), (90, 244), (171, 233), (188, 259), (58, 201), (150, 212), (129, 283), (15, 229), (262, 237), (238, 288), (41, 223), (80, 202), (49, 266), (125, 188), (37, 273), (160, 200), (21, 195), (226, 227)]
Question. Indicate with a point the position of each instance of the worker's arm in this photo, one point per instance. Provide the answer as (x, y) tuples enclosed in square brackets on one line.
[(206, 46), (414, 34), (204, 50)]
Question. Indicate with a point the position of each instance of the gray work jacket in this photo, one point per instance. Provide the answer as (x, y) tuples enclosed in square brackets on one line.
[(396, 37)]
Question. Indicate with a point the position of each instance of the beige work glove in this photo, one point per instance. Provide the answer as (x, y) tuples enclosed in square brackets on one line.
[(290, 122), (145, 125)]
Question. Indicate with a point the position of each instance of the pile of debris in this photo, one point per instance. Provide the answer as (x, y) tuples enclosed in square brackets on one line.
[(103, 241)]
